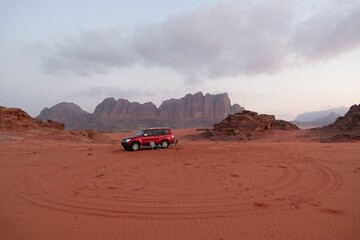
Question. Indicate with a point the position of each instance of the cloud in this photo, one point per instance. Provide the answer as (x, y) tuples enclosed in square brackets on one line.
[(90, 52), (330, 32), (242, 37)]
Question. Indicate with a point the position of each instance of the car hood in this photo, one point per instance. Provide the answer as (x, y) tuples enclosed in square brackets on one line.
[(128, 137)]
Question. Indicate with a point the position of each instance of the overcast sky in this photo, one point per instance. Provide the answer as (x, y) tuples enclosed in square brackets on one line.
[(281, 57)]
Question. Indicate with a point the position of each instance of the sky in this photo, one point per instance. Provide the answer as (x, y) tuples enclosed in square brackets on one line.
[(281, 57)]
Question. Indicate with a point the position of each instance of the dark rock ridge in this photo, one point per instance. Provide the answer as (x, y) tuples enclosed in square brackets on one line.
[(72, 116), (193, 110), (62, 111), (349, 122), (247, 125), (346, 128)]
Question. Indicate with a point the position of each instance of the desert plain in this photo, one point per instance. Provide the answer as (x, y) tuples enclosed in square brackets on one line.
[(280, 187)]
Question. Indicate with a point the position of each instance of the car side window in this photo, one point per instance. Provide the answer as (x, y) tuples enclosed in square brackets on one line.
[(159, 132), (151, 133)]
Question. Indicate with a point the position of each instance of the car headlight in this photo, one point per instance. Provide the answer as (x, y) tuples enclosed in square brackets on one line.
[(127, 140)]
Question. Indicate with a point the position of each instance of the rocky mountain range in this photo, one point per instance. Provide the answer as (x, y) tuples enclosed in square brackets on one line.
[(192, 110), (319, 118), (319, 122), (311, 116)]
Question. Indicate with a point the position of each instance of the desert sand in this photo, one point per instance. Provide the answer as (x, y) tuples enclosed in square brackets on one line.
[(281, 187)]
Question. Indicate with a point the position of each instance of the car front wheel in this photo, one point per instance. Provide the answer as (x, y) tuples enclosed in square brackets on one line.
[(135, 146)]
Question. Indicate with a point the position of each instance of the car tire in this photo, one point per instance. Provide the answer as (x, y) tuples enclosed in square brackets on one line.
[(135, 146), (164, 144)]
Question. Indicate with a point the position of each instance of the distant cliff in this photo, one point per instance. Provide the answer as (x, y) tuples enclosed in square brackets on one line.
[(320, 122), (198, 107), (193, 110), (319, 118), (311, 116)]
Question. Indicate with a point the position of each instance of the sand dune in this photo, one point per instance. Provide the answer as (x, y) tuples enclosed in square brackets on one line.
[(200, 189)]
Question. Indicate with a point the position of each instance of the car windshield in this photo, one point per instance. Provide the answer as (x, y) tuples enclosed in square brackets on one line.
[(139, 133)]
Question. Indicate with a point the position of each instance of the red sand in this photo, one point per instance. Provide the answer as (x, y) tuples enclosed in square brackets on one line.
[(279, 189)]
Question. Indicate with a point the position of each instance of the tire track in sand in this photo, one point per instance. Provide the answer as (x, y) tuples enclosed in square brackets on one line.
[(74, 194)]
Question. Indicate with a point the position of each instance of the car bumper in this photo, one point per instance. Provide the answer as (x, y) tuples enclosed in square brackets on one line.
[(126, 144)]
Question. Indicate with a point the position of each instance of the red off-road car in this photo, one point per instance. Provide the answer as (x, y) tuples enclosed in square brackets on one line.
[(161, 137)]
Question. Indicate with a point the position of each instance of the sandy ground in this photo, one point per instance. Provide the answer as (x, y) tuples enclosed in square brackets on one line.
[(271, 189)]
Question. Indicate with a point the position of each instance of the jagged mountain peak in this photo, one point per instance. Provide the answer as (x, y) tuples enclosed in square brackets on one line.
[(192, 110)]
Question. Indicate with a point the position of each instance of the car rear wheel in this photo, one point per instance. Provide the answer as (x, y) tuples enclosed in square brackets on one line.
[(135, 146), (164, 144)]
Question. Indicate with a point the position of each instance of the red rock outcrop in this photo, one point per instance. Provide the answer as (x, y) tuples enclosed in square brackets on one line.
[(247, 125), (14, 122), (349, 122), (346, 128), (15, 119)]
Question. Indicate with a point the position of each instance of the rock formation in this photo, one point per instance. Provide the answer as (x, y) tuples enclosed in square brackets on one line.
[(346, 128), (349, 122), (123, 109), (17, 124), (72, 116), (15, 119), (247, 125), (193, 110), (196, 107)]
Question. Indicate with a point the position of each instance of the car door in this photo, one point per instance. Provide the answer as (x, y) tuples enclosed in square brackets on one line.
[(157, 136), (148, 137)]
